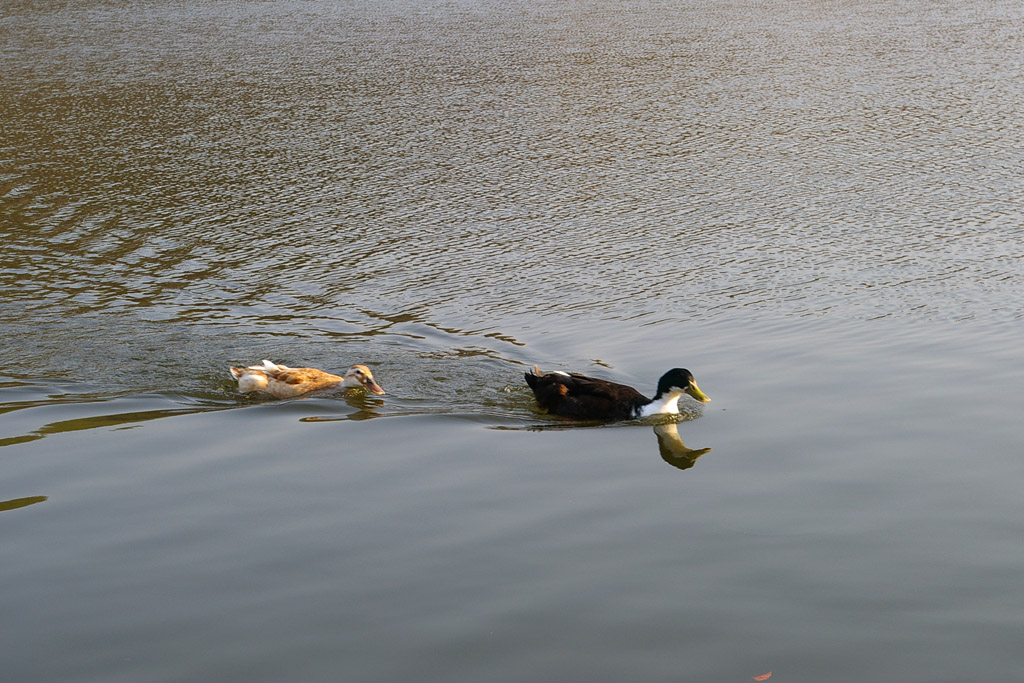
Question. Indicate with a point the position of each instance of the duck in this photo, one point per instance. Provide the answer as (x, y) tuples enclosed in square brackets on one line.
[(281, 381), (580, 397)]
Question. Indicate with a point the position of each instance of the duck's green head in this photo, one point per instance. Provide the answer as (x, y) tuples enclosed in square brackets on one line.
[(680, 379)]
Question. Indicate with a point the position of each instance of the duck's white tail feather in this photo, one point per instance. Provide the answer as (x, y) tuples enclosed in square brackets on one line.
[(272, 367), (250, 379), (253, 378)]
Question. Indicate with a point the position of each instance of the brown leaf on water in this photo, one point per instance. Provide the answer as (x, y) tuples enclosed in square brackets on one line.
[(763, 677)]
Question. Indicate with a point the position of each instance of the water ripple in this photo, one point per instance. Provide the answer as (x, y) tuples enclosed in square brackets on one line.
[(233, 174)]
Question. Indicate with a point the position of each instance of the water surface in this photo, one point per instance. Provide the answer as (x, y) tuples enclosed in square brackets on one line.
[(815, 208)]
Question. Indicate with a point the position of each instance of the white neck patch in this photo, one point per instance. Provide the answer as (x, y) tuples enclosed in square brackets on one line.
[(668, 404)]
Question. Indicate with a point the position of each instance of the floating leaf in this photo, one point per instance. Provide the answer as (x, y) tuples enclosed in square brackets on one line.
[(763, 677)]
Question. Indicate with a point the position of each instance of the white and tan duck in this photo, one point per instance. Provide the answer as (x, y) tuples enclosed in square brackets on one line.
[(281, 381)]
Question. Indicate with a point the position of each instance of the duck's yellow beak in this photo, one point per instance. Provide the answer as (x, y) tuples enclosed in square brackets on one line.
[(373, 387), (694, 390)]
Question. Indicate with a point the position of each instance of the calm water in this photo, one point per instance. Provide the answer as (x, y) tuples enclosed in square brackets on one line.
[(816, 207)]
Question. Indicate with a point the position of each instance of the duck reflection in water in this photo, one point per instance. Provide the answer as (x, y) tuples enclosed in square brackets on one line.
[(670, 444), (673, 450), (17, 503)]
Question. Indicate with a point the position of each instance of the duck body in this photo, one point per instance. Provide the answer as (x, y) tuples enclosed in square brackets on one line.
[(580, 397), (281, 381)]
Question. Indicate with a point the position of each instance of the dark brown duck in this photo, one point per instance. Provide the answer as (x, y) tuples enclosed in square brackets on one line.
[(587, 398)]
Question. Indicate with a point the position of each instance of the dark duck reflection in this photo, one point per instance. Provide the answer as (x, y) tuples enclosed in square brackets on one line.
[(673, 450), (580, 397)]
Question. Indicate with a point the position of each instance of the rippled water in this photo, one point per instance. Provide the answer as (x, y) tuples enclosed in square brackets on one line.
[(815, 207)]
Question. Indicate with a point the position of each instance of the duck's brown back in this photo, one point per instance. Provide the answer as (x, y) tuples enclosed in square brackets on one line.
[(585, 398)]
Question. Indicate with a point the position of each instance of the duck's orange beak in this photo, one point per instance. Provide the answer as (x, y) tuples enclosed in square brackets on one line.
[(372, 386)]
